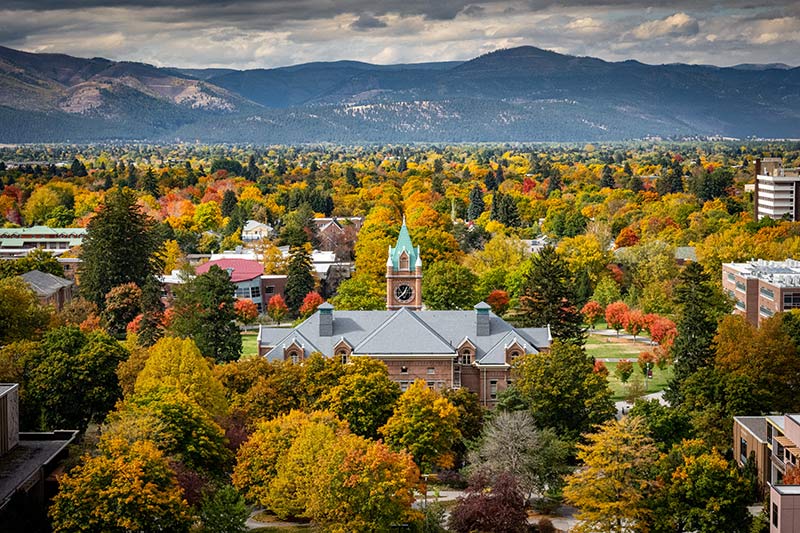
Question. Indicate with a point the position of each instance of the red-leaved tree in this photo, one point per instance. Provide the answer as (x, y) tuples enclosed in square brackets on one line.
[(277, 308), (498, 300), (591, 312), (496, 505), (663, 331), (310, 304), (246, 311), (615, 315), (634, 323)]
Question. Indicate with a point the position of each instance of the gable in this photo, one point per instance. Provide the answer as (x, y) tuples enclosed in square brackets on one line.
[(404, 333)]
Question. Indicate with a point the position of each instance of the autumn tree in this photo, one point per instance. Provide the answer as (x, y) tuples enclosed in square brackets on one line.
[(360, 293), (616, 314), (205, 312), (606, 292), (591, 312), (310, 303), (364, 397), (471, 415), (499, 301), (425, 424), (120, 247), (624, 370), (36, 259), (152, 324), (21, 315), (490, 504), (277, 309), (448, 285), (611, 490), (562, 390), (634, 322), (124, 488), (122, 304), (549, 298), (246, 311)]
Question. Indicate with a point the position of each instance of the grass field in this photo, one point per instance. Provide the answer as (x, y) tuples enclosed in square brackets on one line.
[(658, 383), (609, 347), (249, 344)]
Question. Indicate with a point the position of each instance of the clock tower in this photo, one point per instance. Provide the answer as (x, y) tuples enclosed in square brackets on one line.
[(404, 274)]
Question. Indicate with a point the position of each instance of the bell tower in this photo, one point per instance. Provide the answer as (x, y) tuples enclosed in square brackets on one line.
[(404, 274)]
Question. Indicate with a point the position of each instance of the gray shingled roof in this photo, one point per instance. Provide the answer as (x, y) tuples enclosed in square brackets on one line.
[(407, 332), (45, 284)]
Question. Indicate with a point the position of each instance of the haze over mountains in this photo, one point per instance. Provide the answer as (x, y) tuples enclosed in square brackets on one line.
[(518, 94)]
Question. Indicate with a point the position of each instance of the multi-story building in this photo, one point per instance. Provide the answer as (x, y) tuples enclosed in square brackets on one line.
[(772, 441), (446, 349), (18, 242), (762, 288), (777, 190)]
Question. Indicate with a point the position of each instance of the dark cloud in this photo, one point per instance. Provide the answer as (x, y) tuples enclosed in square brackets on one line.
[(367, 22), (473, 10)]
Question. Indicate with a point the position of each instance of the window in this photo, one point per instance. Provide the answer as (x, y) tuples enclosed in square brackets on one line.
[(343, 357), (740, 304), (294, 356), (493, 389), (404, 370), (269, 289), (731, 277), (765, 311), (431, 370), (404, 261), (775, 515), (767, 293), (466, 358), (514, 354), (791, 301), (255, 292), (742, 450), (404, 386), (242, 292), (740, 286)]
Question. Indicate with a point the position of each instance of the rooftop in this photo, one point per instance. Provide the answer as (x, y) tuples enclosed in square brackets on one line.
[(45, 284), (779, 273), (240, 269), (757, 425), (33, 451)]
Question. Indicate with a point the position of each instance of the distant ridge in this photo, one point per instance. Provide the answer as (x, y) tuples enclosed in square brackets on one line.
[(515, 94)]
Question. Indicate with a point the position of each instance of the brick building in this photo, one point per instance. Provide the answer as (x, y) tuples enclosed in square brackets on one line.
[(762, 288), (447, 349)]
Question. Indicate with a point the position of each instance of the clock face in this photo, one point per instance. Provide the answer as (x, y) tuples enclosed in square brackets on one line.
[(403, 293)]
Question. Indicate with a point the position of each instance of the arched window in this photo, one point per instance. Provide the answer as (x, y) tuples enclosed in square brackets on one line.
[(344, 357), (294, 356)]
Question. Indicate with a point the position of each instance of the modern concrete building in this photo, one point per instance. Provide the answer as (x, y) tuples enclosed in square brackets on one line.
[(28, 462), (762, 288), (777, 190), (446, 349)]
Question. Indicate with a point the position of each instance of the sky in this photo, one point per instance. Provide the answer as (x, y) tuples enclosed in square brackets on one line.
[(262, 34)]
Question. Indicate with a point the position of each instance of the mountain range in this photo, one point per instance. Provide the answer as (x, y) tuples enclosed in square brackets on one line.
[(518, 94)]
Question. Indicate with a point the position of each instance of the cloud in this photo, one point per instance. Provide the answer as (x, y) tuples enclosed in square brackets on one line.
[(585, 25), (473, 10), (367, 22), (677, 25)]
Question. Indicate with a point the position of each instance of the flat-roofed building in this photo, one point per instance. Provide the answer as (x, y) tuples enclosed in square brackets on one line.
[(776, 190), (762, 288), (18, 242)]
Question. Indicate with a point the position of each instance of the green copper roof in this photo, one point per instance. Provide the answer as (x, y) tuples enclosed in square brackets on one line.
[(403, 243)]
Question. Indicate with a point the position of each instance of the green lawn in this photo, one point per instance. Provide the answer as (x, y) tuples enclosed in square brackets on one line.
[(249, 344), (658, 383), (609, 347)]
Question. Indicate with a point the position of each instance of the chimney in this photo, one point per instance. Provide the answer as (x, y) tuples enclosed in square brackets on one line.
[(483, 327), (325, 320)]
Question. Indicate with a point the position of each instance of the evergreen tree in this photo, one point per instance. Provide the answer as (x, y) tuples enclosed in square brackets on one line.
[(549, 297), (205, 312), (490, 181), (253, 172), (402, 165), (627, 169), (120, 247), (555, 182), (607, 179), (151, 328), (693, 348), (228, 203), (352, 179), (299, 280), (476, 203), (78, 168), (150, 183), (131, 178), (107, 181)]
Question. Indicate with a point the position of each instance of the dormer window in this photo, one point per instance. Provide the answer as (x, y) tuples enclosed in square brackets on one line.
[(344, 356), (404, 261), (465, 357), (294, 356)]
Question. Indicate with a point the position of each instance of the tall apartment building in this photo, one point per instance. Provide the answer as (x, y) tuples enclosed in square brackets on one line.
[(777, 190), (762, 288)]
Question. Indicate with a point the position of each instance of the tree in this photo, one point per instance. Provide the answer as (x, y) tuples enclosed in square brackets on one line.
[(607, 178), (360, 293), (634, 322), (151, 327), (276, 308), (613, 487), (246, 311), (615, 315), (496, 505), (498, 300), (448, 285), (665, 425), (425, 424), (177, 364), (120, 247), (562, 390), (512, 443), (223, 510), (205, 312), (360, 485), (228, 203), (36, 259), (21, 316), (694, 345), (310, 304), (591, 312), (68, 361), (364, 397), (351, 177), (624, 370), (549, 298), (299, 280), (476, 203), (470, 417), (122, 304), (606, 292), (700, 491), (125, 488)]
